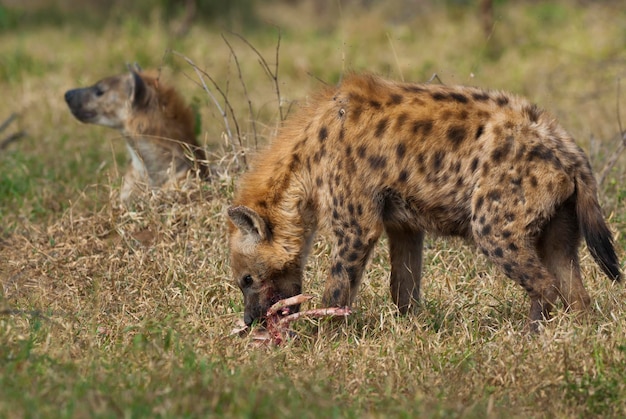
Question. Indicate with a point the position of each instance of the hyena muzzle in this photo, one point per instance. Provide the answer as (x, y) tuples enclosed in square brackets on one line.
[(373, 156)]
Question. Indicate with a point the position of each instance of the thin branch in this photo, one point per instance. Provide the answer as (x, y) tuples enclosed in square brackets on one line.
[(263, 62), (245, 91), (11, 138), (622, 145), (8, 121), (201, 74)]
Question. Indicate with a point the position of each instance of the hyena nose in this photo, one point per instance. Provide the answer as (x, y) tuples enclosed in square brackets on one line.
[(248, 319), (69, 95)]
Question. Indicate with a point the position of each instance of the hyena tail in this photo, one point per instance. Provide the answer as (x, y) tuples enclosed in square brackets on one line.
[(597, 234)]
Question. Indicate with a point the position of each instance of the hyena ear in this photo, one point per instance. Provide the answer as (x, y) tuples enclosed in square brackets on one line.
[(249, 222), (139, 90)]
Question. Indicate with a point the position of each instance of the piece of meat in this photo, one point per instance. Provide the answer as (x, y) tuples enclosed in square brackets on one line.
[(279, 318)]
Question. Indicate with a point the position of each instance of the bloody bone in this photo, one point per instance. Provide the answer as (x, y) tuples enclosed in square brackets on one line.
[(278, 319)]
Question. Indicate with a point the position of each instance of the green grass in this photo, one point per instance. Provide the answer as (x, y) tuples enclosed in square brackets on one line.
[(107, 312)]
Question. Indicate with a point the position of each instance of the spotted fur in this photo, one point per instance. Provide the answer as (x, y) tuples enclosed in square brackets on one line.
[(158, 126), (373, 156)]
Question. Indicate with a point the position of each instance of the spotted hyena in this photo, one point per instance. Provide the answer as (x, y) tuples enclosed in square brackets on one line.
[(373, 155), (158, 125)]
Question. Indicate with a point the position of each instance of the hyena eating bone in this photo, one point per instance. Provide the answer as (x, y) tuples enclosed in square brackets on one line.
[(373, 156)]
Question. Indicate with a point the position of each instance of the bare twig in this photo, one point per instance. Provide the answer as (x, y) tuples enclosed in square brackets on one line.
[(7, 121), (245, 91), (13, 137), (622, 145), (273, 75), (201, 75), (434, 77)]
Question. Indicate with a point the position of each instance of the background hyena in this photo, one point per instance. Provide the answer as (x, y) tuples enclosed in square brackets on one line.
[(158, 125), (374, 155)]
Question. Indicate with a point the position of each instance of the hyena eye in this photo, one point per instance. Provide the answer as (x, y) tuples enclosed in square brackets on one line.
[(246, 281), (99, 91)]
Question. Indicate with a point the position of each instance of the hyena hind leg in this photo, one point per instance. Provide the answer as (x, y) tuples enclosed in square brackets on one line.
[(558, 248), (519, 260), (405, 251)]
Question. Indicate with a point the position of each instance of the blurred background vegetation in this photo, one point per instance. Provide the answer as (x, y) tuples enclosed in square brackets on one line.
[(567, 56), (97, 323)]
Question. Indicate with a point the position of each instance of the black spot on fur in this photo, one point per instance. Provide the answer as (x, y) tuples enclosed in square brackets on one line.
[(403, 177), (486, 168), (352, 274), (375, 104), (422, 127), (262, 204), (486, 230), (400, 151), (337, 269), (355, 113), (502, 100), (439, 96), (480, 96), (474, 165), (401, 120), (323, 134), (479, 203), (381, 127), (479, 131), (532, 112), (508, 269), (352, 257), (395, 99), (494, 196), (438, 160), (456, 134), (513, 247), (377, 162), (318, 181), (458, 97), (500, 152), (361, 151), (498, 252), (540, 152)]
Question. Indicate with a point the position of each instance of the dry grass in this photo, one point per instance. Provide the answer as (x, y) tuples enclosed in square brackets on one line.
[(112, 312)]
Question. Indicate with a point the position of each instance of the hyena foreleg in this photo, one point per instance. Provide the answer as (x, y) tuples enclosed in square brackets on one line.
[(351, 251), (405, 251)]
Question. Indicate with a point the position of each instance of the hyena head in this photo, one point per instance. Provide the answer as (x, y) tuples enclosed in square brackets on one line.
[(262, 269), (110, 101)]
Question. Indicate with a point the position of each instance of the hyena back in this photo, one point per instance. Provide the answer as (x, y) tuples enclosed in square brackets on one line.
[(159, 127), (373, 155)]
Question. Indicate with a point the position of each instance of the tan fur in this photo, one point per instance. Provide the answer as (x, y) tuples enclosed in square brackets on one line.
[(373, 155), (158, 125)]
